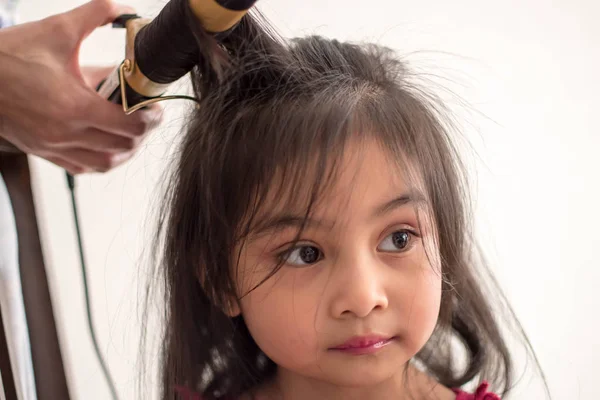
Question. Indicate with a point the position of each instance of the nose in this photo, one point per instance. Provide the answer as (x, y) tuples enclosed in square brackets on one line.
[(359, 287)]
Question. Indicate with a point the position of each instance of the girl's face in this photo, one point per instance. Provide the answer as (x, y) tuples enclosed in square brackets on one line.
[(359, 295)]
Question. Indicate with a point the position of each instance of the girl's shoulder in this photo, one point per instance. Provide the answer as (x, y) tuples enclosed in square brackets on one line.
[(480, 394)]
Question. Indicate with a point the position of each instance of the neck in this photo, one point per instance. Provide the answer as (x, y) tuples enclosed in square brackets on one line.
[(408, 384)]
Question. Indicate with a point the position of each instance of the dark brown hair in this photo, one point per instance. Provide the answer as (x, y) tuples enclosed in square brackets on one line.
[(270, 108)]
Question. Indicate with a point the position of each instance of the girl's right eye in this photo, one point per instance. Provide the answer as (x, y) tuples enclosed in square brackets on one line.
[(301, 256)]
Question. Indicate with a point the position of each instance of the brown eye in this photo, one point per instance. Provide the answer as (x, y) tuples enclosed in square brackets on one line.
[(302, 256), (397, 242)]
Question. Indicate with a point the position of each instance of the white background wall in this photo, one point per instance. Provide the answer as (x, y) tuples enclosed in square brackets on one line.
[(529, 71)]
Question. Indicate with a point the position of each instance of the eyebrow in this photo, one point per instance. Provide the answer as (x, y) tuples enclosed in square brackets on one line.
[(283, 221), (400, 201)]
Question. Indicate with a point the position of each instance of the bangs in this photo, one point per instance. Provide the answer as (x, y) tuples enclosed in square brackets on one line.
[(298, 153)]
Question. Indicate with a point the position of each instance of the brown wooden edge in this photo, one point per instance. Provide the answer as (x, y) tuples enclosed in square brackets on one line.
[(50, 379), (8, 379)]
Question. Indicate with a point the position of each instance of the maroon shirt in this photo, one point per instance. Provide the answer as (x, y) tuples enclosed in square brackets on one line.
[(480, 394)]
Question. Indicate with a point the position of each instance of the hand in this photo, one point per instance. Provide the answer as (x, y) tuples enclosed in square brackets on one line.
[(48, 103)]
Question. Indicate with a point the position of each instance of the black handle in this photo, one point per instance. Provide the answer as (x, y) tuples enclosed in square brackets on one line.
[(166, 48)]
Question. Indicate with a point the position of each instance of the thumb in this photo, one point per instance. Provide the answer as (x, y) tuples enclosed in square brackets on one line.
[(94, 14)]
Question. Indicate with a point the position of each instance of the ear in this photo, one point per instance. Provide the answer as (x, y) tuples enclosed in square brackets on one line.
[(232, 308)]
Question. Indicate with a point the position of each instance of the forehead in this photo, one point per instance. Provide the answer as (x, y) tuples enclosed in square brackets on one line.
[(360, 179)]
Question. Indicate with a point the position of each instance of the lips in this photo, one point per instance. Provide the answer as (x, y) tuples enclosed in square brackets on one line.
[(364, 344)]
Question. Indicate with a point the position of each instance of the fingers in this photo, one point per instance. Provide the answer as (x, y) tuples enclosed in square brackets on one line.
[(91, 160), (94, 150), (96, 13), (110, 117), (98, 150), (71, 168), (100, 141)]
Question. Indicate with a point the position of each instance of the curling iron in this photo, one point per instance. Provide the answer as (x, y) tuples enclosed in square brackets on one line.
[(160, 51)]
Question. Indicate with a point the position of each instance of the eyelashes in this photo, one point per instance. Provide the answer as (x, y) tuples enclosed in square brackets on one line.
[(305, 255), (300, 254)]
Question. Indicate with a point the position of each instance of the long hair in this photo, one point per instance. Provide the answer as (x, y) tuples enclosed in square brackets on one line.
[(269, 109)]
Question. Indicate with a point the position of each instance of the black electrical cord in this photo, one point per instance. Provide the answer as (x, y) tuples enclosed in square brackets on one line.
[(71, 183)]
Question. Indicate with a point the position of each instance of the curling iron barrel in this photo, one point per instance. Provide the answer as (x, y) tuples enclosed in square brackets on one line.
[(160, 51)]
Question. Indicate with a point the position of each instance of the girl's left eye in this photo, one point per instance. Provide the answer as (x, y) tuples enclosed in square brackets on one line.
[(398, 241)]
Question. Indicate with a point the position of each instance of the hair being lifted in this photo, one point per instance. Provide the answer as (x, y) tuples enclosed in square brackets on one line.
[(272, 107)]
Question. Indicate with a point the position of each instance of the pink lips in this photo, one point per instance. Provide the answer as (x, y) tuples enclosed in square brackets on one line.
[(364, 344)]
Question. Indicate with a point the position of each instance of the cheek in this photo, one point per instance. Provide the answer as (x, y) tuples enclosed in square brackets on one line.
[(280, 315), (421, 306)]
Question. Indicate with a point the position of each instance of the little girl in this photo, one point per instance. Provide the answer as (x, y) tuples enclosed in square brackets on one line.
[(314, 241)]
